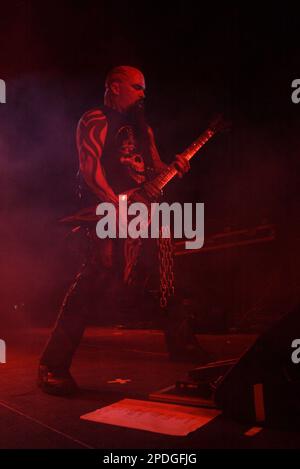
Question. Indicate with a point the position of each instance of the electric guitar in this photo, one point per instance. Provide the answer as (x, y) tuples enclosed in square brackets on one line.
[(139, 194)]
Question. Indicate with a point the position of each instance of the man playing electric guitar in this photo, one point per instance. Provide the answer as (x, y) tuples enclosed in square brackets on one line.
[(117, 152)]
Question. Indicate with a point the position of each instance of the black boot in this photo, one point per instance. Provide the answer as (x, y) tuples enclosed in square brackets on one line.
[(56, 382), (191, 353), (181, 341)]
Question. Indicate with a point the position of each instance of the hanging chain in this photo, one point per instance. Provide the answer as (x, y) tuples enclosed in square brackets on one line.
[(166, 266)]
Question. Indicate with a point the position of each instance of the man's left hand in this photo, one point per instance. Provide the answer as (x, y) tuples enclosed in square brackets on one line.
[(182, 165)]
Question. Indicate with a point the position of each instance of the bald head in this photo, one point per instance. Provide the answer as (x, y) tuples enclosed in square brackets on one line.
[(125, 86), (124, 73)]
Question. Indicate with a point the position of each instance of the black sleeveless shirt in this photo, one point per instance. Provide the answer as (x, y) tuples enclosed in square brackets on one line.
[(124, 162)]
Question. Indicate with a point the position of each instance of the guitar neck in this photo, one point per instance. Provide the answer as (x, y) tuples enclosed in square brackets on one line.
[(170, 172)]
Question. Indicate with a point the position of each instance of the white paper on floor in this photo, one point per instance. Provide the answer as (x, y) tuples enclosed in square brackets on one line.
[(168, 419)]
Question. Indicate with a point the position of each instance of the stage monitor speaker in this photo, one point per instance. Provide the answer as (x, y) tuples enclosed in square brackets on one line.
[(264, 385)]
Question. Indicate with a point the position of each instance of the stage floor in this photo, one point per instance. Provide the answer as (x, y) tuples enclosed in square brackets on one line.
[(32, 419)]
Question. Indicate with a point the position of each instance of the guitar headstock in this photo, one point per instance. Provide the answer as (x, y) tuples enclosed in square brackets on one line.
[(219, 124)]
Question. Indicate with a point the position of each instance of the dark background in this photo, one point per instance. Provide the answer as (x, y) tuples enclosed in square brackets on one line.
[(198, 60)]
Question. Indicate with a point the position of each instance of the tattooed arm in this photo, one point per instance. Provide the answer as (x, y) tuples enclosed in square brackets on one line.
[(91, 134)]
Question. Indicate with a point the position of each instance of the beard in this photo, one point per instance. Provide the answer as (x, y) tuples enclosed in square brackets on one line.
[(137, 118), (136, 115)]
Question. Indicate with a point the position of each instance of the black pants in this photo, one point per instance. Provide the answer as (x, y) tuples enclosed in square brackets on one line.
[(103, 274)]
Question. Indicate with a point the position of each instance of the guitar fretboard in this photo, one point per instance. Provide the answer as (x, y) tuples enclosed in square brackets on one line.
[(165, 176)]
